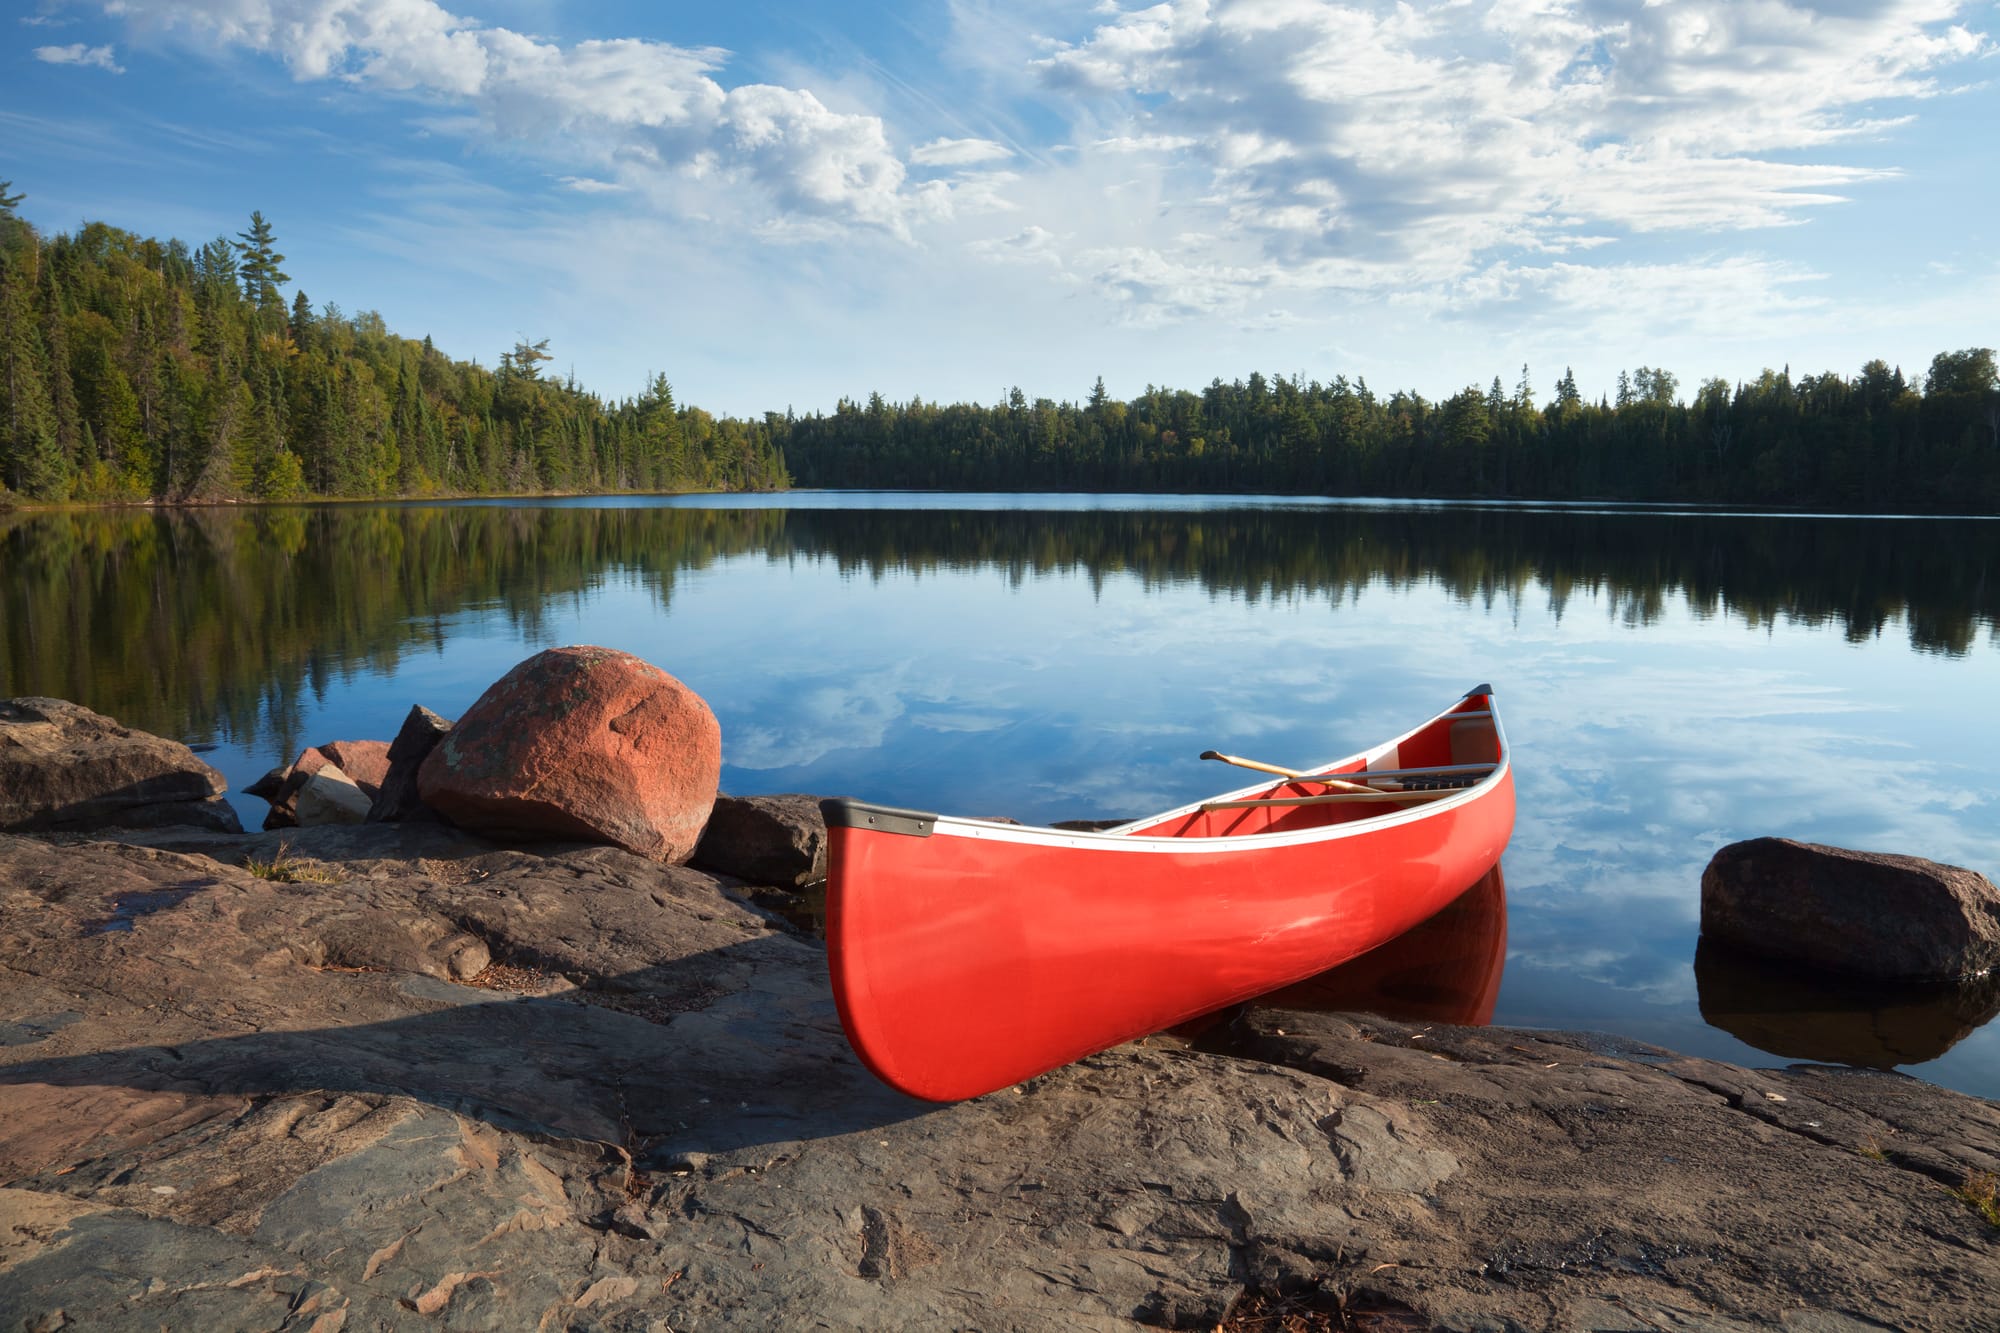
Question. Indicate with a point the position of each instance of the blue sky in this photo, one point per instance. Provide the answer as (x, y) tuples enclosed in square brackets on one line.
[(780, 202)]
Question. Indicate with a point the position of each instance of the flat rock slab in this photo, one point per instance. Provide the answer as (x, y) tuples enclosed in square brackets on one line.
[(64, 767), (238, 1100)]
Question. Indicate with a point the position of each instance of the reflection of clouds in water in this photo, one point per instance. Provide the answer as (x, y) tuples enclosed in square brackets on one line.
[(1114, 727), (1639, 751), (965, 722), (1637, 944), (801, 724)]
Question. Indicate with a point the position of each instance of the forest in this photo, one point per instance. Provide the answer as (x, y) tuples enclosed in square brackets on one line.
[(135, 369), (1876, 442)]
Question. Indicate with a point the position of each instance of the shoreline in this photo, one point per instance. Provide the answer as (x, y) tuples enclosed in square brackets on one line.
[(582, 1084)]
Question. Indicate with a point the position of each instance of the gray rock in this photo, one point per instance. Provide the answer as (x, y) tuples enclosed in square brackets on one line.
[(270, 784), (776, 840), (1864, 913), (63, 767), (270, 1104), (330, 797), (398, 799)]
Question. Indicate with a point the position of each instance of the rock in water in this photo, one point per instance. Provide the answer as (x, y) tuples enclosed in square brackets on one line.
[(398, 799), (586, 743), (778, 840), (1867, 913), (63, 767)]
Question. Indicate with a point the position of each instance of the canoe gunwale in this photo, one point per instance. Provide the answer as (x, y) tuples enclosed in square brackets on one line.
[(842, 812)]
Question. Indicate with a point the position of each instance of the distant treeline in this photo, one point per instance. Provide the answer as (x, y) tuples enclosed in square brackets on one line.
[(133, 369), (1872, 442)]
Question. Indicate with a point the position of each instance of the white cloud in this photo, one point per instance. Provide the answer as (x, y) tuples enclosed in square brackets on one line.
[(645, 112), (959, 152), (76, 53), (1222, 156), (1422, 140)]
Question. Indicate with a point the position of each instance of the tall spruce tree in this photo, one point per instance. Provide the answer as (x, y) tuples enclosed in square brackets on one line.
[(258, 261)]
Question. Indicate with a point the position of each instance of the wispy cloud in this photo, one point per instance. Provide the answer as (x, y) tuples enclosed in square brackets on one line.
[(76, 53), (1424, 139), (959, 152)]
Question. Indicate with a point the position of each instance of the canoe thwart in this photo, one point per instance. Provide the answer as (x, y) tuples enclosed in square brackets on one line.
[(1335, 798)]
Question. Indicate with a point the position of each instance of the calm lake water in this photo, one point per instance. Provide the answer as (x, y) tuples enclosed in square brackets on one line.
[(1670, 680)]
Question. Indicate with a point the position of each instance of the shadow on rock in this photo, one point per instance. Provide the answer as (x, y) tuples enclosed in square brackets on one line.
[(665, 1016)]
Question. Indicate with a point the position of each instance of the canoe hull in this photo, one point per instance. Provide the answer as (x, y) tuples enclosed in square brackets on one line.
[(968, 955)]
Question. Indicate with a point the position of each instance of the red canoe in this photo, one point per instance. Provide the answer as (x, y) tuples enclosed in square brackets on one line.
[(968, 954)]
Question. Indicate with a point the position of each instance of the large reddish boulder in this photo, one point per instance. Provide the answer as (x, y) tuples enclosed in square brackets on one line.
[(585, 743)]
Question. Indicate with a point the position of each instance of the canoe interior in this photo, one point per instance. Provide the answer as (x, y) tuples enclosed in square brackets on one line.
[(1449, 741)]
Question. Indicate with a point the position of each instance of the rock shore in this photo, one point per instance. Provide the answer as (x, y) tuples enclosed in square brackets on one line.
[(393, 1076)]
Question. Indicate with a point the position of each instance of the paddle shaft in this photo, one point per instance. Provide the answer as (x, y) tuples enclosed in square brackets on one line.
[(1286, 772), (1334, 798)]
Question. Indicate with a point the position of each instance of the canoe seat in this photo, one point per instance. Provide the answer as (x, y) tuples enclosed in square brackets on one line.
[(1474, 741)]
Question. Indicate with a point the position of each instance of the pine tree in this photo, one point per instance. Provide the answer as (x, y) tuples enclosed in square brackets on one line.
[(258, 266)]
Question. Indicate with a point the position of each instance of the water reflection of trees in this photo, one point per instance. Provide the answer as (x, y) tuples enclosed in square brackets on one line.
[(219, 621)]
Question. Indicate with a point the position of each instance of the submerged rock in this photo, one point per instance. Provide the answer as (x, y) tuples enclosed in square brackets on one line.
[(64, 767), (1869, 914), (582, 743), (1807, 1014)]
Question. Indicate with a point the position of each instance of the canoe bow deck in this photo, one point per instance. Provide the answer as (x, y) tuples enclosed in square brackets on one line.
[(967, 954)]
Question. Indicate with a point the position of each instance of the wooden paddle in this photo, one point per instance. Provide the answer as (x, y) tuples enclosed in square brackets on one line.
[(1339, 783)]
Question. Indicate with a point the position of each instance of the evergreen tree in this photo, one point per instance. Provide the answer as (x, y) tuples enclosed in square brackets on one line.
[(258, 261)]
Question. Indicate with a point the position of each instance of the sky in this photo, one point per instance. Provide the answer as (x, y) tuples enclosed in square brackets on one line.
[(778, 203)]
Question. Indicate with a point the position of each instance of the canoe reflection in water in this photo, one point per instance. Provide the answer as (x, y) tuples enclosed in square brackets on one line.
[(1443, 970), (1805, 1015)]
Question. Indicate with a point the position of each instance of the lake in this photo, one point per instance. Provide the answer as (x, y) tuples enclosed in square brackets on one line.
[(1670, 680)]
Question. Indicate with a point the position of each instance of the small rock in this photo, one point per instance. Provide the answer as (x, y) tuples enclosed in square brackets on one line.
[(398, 800), (586, 743), (1865, 913), (284, 802), (366, 763), (331, 797), (270, 784), (779, 840)]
